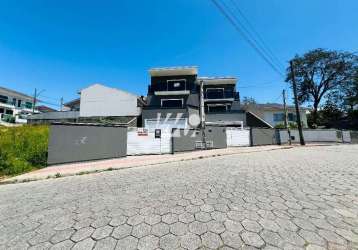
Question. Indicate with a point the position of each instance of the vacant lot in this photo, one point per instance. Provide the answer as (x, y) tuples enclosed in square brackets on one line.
[(22, 149), (301, 198)]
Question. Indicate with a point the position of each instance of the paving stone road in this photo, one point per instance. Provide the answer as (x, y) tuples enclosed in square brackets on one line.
[(301, 198)]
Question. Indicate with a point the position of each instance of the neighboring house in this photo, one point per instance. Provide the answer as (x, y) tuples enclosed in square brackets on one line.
[(73, 105), (273, 113), (15, 106), (45, 109), (98, 103)]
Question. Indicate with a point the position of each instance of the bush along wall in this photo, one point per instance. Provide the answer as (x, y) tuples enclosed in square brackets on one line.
[(22, 149)]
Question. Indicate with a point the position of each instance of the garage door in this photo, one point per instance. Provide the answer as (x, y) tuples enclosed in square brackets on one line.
[(237, 137), (166, 124), (142, 141)]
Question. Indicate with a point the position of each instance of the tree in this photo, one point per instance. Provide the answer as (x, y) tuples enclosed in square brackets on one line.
[(320, 72)]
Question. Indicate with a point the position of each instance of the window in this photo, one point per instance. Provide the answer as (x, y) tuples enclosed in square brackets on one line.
[(279, 117), (19, 103), (14, 101), (172, 103), (176, 85), (3, 99), (292, 117), (217, 93), (218, 108), (28, 105), (2, 111), (9, 112)]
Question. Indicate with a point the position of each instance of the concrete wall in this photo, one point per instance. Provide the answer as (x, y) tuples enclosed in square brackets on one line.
[(230, 116), (217, 135), (74, 143), (264, 136), (354, 137), (99, 100), (50, 117), (312, 135), (185, 139)]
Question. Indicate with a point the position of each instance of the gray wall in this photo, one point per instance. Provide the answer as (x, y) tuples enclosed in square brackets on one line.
[(184, 140), (312, 135), (74, 143), (354, 137), (217, 135), (232, 116), (264, 136)]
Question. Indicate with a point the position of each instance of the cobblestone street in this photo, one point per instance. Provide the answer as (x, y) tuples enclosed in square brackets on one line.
[(300, 198)]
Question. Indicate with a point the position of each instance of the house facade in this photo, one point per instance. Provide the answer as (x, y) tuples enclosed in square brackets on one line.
[(15, 106), (97, 104), (173, 99), (274, 115)]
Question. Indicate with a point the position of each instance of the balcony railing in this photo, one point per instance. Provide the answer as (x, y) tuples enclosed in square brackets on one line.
[(13, 105)]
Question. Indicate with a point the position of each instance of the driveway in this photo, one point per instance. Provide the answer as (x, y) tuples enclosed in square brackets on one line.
[(300, 198)]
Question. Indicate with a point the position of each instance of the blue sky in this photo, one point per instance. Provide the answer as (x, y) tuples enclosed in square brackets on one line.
[(63, 46)]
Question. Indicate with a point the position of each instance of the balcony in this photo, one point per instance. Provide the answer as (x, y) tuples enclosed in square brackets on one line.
[(219, 95), (171, 87)]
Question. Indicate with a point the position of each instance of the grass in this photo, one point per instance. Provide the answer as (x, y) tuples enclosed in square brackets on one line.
[(22, 149)]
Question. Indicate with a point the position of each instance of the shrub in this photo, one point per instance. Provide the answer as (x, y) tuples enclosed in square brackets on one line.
[(22, 149)]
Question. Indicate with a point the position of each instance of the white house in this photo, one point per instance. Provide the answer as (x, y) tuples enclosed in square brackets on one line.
[(15, 105), (273, 113), (101, 101)]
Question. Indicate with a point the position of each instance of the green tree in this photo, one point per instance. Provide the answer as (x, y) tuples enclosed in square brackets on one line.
[(320, 72)]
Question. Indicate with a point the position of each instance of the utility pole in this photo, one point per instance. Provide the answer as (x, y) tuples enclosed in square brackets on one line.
[(61, 103), (202, 112), (286, 118), (299, 123), (34, 104)]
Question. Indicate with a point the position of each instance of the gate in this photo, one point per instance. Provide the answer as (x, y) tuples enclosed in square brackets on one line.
[(142, 141), (237, 137)]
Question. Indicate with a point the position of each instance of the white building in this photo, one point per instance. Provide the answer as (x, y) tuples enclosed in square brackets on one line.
[(15, 106), (273, 113)]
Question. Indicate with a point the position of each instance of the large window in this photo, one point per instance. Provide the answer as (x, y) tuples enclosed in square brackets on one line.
[(218, 108), (9, 112), (19, 103), (172, 103), (176, 85), (4, 99), (292, 117), (215, 93), (28, 105), (2, 111), (279, 117)]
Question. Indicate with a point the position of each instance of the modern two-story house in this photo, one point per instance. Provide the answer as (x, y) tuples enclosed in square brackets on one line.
[(173, 99), (15, 106)]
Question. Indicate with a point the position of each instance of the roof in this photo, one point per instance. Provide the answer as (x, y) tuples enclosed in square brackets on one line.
[(45, 109), (72, 103), (274, 107), (218, 80), (16, 93), (174, 71)]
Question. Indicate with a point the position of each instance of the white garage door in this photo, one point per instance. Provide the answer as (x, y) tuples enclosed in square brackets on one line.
[(167, 124), (141, 142), (237, 137)]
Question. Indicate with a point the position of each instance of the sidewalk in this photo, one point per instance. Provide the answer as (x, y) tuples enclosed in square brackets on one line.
[(130, 162)]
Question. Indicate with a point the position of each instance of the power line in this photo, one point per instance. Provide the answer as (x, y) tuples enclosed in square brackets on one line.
[(264, 44), (243, 34)]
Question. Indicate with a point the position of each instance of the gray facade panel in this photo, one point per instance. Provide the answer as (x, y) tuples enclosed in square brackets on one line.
[(170, 113), (263, 136), (74, 143), (234, 116)]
